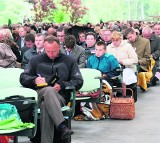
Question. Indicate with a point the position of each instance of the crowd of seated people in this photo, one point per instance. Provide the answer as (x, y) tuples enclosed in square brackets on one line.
[(129, 43), (143, 37)]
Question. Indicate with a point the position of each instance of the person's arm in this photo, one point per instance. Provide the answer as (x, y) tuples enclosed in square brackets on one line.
[(156, 53), (114, 66), (75, 78), (132, 56), (28, 77), (82, 60), (25, 60), (147, 54)]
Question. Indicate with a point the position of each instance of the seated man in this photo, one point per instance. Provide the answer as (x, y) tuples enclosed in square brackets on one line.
[(73, 50), (143, 51), (30, 40), (90, 42), (142, 47), (155, 49), (106, 35), (104, 62), (35, 50), (39, 71)]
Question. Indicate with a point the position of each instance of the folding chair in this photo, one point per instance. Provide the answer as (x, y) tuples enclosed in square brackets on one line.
[(10, 86), (91, 90)]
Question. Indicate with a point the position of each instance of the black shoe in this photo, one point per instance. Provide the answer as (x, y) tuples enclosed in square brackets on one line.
[(66, 133), (154, 81), (142, 89)]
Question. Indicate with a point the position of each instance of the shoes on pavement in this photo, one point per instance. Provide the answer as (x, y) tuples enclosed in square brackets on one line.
[(66, 133)]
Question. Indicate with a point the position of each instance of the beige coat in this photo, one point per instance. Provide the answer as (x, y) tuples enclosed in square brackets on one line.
[(124, 53), (142, 46), (7, 57)]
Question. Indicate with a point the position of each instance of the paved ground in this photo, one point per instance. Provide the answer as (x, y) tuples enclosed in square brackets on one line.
[(144, 128)]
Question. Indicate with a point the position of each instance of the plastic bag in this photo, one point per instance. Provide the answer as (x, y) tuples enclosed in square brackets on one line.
[(8, 111)]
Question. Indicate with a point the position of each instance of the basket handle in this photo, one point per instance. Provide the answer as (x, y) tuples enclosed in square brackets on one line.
[(124, 89)]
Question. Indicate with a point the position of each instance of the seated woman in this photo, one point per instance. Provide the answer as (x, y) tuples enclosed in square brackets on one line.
[(81, 39), (127, 57), (108, 66)]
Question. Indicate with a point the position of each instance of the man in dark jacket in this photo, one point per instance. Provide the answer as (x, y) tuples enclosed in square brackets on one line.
[(39, 71), (35, 50), (155, 49), (73, 50)]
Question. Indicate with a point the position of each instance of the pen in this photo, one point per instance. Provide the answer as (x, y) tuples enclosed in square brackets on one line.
[(39, 75)]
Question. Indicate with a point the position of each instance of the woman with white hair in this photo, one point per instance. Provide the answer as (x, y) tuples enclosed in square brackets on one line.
[(7, 57)]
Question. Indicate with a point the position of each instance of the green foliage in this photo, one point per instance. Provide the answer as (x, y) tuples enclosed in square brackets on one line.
[(13, 10), (60, 16), (108, 10)]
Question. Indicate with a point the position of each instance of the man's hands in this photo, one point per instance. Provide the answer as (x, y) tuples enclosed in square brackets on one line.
[(57, 87), (120, 62), (42, 81)]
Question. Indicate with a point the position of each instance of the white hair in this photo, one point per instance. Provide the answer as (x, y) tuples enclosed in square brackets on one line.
[(147, 28), (3, 32)]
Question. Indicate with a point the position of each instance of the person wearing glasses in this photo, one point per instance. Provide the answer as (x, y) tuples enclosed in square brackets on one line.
[(61, 33)]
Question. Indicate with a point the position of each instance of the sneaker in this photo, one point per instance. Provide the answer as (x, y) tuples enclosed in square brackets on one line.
[(66, 133)]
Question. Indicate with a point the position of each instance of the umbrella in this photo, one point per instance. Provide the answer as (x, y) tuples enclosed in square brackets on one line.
[(76, 29)]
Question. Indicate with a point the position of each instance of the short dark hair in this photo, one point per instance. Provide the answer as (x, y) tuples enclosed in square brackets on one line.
[(61, 28), (127, 31), (91, 33), (51, 39), (30, 37), (101, 43), (70, 41)]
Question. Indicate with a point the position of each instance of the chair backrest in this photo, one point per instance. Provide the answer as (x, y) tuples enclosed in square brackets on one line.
[(9, 77), (91, 91), (91, 82)]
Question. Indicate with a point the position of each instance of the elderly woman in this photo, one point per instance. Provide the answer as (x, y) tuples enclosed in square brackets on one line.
[(127, 57), (7, 57)]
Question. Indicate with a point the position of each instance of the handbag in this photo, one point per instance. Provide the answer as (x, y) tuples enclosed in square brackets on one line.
[(122, 107)]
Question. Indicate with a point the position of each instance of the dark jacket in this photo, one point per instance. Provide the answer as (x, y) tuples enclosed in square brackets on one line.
[(89, 52), (68, 71), (155, 47), (28, 55), (18, 41)]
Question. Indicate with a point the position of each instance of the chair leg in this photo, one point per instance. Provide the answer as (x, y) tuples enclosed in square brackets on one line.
[(68, 122), (15, 139)]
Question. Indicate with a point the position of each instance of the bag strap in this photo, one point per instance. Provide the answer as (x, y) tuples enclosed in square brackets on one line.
[(15, 97)]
